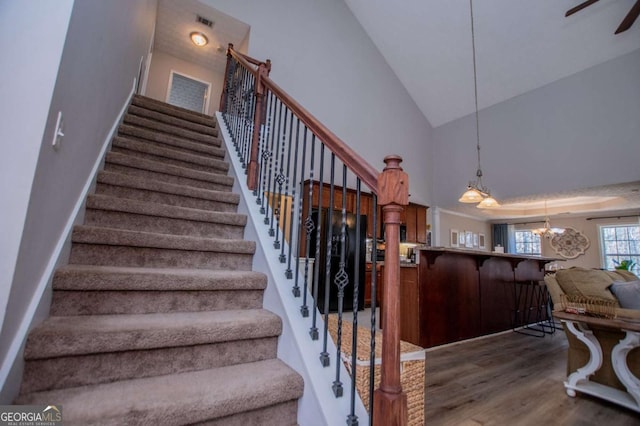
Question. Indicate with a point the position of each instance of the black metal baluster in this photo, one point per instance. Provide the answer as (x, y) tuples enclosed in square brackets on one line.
[(296, 287), (248, 119), (277, 168), (352, 419), (282, 257), (341, 281), (313, 332), (374, 301), (309, 227), (324, 355), (243, 122), (275, 143), (259, 191), (238, 129), (280, 180)]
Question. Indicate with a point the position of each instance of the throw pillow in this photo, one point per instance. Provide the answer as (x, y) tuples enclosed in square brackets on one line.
[(585, 282), (627, 293)]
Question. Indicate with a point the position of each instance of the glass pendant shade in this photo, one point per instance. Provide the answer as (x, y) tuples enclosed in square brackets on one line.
[(488, 203), (471, 195)]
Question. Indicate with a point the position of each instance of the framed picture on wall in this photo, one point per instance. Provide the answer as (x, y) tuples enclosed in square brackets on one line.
[(481, 243), (468, 239), (454, 238)]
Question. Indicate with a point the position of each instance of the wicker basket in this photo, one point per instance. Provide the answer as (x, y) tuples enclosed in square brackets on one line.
[(412, 366), (590, 306)]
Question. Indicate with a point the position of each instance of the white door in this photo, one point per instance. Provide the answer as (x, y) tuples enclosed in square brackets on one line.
[(188, 92)]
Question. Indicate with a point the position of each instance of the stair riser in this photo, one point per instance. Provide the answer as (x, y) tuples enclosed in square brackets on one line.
[(163, 177), (169, 129), (146, 134), (163, 225), (164, 198), (285, 414), (71, 371), (209, 168), (98, 254), (172, 120), (174, 111), (104, 302)]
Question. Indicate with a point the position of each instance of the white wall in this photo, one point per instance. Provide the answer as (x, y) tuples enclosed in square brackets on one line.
[(447, 220), (101, 56), (25, 95), (161, 66), (578, 132), (324, 59)]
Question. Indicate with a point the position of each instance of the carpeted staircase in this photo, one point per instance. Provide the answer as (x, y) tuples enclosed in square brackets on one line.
[(158, 317)]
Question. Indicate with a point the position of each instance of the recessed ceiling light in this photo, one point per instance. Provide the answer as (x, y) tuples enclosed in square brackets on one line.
[(198, 38)]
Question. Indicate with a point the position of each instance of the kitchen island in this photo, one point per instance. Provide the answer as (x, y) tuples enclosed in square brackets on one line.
[(460, 294)]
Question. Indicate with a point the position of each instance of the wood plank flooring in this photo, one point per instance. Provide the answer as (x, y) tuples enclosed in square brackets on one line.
[(510, 379)]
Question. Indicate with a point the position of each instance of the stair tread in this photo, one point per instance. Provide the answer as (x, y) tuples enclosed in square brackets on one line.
[(114, 236), (149, 135), (163, 117), (91, 277), (154, 104), (148, 147), (121, 179), (170, 129), (160, 167), (184, 397), (108, 202), (86, 334)]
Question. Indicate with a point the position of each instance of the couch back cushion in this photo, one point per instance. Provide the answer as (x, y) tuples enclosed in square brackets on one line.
[(585, 282)]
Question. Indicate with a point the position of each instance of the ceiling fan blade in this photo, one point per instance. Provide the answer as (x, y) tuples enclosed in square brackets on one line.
[(579, 7), (628, 20)]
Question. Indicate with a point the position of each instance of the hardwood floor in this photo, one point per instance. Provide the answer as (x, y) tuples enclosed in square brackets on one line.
[(510, 379)]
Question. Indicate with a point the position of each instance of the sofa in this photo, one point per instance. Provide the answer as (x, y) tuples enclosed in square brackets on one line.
[(595, 291)]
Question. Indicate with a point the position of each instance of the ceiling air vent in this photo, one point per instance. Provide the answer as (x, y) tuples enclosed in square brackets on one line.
[(205, 21)]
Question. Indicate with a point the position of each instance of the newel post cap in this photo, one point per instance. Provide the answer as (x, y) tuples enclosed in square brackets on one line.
[(393, 183)]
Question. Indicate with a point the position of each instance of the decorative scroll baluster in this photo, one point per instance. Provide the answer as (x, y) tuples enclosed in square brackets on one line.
[(266, 155), (260, 188), (341, 281), (296, 287), (289, 272), (278, 180), (309, 227), (273, 157), (324, 355)]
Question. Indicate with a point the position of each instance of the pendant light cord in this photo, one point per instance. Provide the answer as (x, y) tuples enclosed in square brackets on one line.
[(475, 87)]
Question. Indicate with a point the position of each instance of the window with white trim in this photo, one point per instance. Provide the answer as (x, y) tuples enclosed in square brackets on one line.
[(527, 243), (620, 243)]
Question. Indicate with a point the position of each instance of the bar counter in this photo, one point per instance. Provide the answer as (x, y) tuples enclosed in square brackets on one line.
[(461, 294)]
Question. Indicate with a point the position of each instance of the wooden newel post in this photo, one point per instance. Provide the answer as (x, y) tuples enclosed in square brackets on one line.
[(390, 402), (258, 119), (225, 87)]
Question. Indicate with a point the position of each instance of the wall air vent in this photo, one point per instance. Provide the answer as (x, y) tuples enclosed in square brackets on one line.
[(205, 21)]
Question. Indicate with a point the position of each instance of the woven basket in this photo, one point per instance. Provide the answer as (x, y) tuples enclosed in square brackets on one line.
[(412, 366), (591, 306)]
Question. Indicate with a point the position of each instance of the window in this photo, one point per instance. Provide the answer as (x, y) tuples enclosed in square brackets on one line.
[(527, 243), (620, 243)]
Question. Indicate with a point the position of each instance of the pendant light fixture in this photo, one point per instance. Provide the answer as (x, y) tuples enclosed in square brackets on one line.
[(476, 192), (547, 231)]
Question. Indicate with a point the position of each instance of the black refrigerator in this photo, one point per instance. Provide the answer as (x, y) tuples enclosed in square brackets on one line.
[(334, 254)]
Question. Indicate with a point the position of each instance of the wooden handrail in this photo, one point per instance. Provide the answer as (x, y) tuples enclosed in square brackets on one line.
[(358, 165)]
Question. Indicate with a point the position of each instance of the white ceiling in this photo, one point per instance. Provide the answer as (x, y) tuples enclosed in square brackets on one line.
[(177, 19), (521, 45)]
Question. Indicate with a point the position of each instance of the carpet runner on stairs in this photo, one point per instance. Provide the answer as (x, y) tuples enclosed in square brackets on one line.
[(158, 317)]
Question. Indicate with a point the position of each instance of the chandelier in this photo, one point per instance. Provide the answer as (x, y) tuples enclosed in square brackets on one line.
[(476, 191), (547, 231)]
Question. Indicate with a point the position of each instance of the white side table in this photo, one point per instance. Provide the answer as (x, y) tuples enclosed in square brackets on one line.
[(579, 381)]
